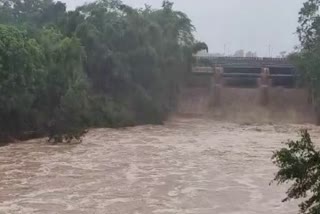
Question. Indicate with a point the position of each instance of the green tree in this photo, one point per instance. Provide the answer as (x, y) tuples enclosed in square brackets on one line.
[(21, 72), (138, 57), (64, 98), (200, 46), (299, 164), (309, 20), (239, 53), (31, 12), (102, 64), (307, 58)]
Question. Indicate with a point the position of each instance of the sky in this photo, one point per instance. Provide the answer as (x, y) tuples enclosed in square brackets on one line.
[(263, 26)]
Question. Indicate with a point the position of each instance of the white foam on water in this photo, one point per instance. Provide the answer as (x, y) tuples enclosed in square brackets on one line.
[(188, 165)]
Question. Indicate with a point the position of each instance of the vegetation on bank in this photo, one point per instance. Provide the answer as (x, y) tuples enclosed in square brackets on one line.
[(299, 165), (104, 64), (299, 162), (307, 57)]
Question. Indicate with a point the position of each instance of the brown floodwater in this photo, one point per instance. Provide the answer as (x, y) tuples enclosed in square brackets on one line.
[(187, 166)]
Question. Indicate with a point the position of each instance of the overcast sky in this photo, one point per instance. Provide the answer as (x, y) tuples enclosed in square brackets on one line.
[(237, 24)]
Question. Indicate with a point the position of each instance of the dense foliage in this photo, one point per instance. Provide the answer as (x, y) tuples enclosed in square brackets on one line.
[(308, 57), (102, 64), (300, 164)]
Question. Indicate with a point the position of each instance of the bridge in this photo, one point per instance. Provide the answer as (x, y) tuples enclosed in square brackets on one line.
[(247, 70), (244, 72), (244, 62)]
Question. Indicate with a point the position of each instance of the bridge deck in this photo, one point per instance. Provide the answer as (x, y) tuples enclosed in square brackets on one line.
[(246, 72), (243, 62)]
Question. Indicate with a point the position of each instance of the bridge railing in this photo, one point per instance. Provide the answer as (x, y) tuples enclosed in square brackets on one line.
[(242, 58), (242, 61)]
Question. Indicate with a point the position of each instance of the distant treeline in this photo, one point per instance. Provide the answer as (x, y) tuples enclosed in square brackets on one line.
[(104, 64)]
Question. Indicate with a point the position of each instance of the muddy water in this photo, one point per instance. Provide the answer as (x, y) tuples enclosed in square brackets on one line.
[(189, 165), (243, 105)]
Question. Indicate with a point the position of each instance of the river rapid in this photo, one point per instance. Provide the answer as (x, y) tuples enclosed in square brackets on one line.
[(187, 166)]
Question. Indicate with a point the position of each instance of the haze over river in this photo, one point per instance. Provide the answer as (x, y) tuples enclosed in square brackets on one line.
[(189, 165)]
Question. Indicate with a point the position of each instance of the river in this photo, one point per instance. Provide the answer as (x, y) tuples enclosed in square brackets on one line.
[(187, 166)]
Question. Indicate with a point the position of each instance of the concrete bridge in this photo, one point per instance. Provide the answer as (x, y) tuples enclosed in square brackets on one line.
[(245, 66), (245, 62), (245, 72)]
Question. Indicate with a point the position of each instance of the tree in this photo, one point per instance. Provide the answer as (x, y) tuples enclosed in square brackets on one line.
[(309, 20), (102, 64), (299, 163), (21, 73), (307, 59), (64, 97), (31, 12), (251, 54), (239, 53), (144, 57), (199, 46)]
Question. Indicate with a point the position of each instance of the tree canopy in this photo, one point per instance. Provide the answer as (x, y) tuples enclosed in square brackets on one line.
[(307, 57), (299, 163), (102, 64)]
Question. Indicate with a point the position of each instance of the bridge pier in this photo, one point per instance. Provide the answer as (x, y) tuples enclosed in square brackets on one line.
[(243, 72), (216, 86), (264, 83)]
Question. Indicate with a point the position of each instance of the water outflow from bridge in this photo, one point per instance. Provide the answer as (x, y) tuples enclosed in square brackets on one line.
[(242, 105)]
